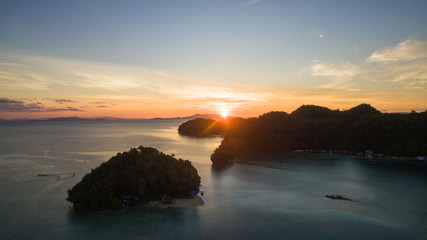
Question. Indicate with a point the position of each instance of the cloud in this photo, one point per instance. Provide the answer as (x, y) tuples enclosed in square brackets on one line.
[(124, 85), (248, 3), (8, 101), (43, 73), (15, 77), (403, 64), (62, 101), (340, 73), (327, 96), (10, 105), (411, 75), (213, 97), (409, 50)]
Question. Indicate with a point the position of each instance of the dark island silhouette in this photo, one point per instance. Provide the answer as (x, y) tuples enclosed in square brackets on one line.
[(201, 127), (358, 130), (134, 177)]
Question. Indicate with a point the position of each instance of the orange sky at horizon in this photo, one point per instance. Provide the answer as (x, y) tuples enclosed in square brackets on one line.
[(135, 111), (93, 89), (146, 59)]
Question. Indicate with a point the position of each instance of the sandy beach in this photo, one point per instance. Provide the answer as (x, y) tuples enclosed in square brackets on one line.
[(188, 202), (177, 203)]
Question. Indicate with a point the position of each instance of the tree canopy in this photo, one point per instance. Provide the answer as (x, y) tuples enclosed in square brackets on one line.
[(142, 172), (201, 127), (313, 127)]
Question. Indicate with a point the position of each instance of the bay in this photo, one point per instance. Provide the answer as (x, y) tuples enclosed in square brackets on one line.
[(264, 196)]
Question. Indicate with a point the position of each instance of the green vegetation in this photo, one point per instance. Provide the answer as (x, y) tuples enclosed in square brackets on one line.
[(312, 127), (142, 172), (200, 127)]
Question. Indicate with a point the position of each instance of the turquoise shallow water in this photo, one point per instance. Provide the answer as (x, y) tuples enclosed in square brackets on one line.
[(270, 196)]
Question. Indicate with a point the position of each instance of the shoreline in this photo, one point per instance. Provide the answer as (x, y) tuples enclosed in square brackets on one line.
[(335, 153), (188, 202), (193, 201)]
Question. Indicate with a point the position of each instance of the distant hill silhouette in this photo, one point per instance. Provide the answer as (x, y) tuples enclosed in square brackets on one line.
[(197, 115), (63, 119), (71, 119), (68, 119), (206, 116)]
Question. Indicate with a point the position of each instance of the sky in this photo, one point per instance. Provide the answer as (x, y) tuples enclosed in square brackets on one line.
[(144, 59)]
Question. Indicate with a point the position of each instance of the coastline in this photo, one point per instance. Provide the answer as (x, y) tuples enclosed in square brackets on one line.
[(187, 202), (193, 201), (373, 156)]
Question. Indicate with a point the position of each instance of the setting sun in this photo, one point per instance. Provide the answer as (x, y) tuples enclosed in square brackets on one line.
[(224, 113)]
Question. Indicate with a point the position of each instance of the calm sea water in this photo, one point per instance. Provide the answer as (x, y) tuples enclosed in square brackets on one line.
[(279, 197)]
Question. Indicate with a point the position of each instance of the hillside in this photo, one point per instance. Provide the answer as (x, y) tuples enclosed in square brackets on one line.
[(313, 127)]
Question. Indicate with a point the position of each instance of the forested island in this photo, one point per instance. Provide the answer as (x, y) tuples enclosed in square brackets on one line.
[(134, 177), (318, 128), (201, 127)]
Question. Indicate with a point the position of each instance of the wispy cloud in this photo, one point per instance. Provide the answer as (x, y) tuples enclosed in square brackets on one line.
[(339, 73), (62, 100), (214, 97), (329, 96), (409, 50), (14, 77), (126, 86), (10, 105), (248, 3), (41, 73), (403, 64), (410, 75)]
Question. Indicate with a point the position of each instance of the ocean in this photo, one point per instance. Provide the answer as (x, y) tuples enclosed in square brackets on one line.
[(263, 196)]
